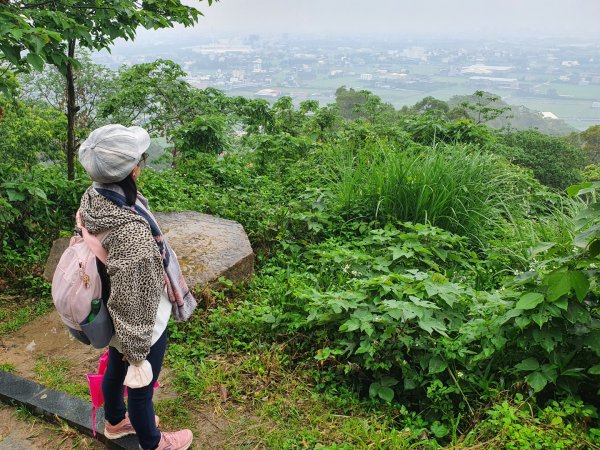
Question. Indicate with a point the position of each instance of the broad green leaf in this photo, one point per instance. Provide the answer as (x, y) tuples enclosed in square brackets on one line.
[(510, 315), (374, 389), (399, 252), (559, 284), (562, 303), (11, 53), (550, 373), (594, 248), (594, 370), (527, 365), (537, 381), (580, 283), (430, 324), (36, 61), (522, 322), (540, 248), (386, 393), (593, 341), (577, 313), (437, 365), (572, 372), (529, 300), (556, 421), (15, 196), (523, 278), (583, 239), (352, 324), (587, 216), (388, 381), (439, 430), (367, 327), (395, 313), (363, 314), (583, 188)]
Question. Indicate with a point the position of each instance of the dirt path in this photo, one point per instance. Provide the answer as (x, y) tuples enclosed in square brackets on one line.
[(21, 431), (45, 341)]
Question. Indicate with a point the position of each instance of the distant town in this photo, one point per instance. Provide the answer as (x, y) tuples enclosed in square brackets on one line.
[(559, 79)]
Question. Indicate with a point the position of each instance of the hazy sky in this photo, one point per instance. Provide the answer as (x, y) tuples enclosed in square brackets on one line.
[(419, 18)]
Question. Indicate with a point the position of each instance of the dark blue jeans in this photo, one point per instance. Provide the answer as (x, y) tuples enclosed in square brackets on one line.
[(141, 408)]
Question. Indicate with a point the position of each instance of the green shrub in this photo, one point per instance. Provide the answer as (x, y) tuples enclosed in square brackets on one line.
[(429, 129), (521, 425), (553, 160), (35, 206)]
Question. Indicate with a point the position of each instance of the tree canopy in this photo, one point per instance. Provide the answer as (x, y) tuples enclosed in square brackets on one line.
[(33, 33)]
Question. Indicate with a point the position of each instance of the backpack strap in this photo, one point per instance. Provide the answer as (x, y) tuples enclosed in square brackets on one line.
[(92, 241)]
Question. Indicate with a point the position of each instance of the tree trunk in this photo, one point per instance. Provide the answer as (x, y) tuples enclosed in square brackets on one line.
[(71, 112)]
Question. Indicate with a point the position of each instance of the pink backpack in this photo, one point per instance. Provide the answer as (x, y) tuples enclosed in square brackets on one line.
[(76, 281)]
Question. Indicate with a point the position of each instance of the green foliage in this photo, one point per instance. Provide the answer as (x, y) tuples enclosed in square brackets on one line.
[(362, 104), (590, 142), (93, 84), (455, 187), (591, 172), (484, 106), (430, 105), (521, 425), (29, 133), (430, 130), (206, 133), (554, 161), (34, 207), (153, 94), (34, 34)]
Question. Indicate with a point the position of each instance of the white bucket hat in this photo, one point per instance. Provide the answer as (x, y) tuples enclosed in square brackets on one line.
[(111, 152)]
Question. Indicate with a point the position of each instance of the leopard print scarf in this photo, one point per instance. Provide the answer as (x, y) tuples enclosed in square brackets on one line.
[(179, 294)]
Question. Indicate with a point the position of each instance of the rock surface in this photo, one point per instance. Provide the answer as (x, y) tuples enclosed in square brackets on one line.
[(207, 247)]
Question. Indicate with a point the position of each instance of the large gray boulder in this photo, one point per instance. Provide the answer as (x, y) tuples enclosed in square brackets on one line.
[(207, 247)]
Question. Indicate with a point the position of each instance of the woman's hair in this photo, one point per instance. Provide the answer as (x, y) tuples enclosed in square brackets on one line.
[(129, 189)]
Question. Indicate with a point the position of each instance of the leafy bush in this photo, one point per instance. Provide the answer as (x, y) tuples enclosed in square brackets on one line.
[(35, 206), (385, 307), (519, 424), (554, 161), (429, 129)]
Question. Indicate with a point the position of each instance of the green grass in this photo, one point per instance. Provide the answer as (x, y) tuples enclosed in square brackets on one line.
[(8, 367), (16, 311), (272, 405), (54, 373), (462, 191)]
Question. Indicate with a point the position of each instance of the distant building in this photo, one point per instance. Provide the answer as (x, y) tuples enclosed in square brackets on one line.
[(239, 74), (482, 69), (549, 115), (257, 66), (595, 104), (366, 76), (569, 63), (268, 93), (220, 49)]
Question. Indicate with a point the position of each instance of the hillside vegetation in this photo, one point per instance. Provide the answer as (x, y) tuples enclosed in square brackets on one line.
[(422, 279)]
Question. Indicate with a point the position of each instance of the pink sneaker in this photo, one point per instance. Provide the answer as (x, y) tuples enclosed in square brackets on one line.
[(176, 440), (123, 428)]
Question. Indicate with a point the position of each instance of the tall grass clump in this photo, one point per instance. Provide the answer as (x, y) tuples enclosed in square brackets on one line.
[(455, 187)]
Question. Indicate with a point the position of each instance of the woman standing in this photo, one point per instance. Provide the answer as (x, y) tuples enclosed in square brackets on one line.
[(146, 283)]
